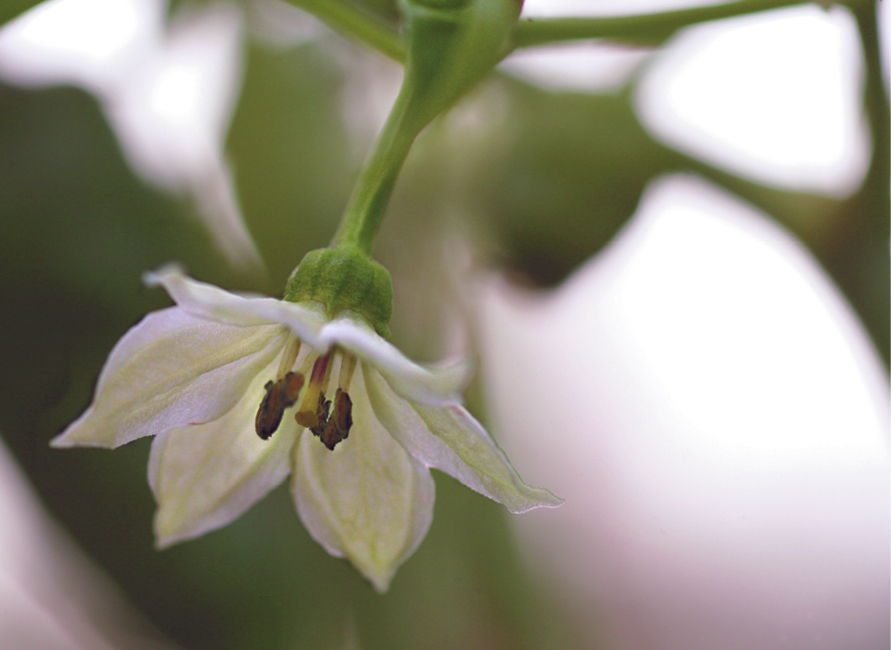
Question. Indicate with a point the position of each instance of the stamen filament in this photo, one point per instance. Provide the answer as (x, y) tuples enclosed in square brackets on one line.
[(289, 357), (328, 367), (347, 368)]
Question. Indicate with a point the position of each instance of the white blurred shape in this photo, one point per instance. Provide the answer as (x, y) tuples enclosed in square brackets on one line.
[(593, 67), (173, 115), (774, 96), (717, 421), (168, 95), (585, 66), (51, 598), (91, 43)]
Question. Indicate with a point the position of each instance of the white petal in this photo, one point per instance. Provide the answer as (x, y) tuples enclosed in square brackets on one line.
[(450, 439), (367, 500), (170, 370), (207, 301), (432, 385), (205, 476)]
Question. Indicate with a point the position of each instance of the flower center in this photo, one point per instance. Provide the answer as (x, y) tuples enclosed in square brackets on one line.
[(315, 412)]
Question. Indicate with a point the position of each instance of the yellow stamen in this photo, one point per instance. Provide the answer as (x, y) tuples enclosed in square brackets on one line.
[(306, 416)]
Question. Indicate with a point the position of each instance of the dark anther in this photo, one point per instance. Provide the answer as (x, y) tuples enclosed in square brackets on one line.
[(322, 409), (280, 394), (291, 386), (338, 427), (343, 412)]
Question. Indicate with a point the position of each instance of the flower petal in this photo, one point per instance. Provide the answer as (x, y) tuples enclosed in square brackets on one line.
[(205, 476), (433, 385), (450, 439), (367, 500), (170, 370), (207, 301)]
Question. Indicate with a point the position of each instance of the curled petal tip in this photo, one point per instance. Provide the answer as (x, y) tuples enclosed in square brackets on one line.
[(163, 542), (551, 501), (66, 440), (534, 498), (381, 584), (59, 442), (166, 534), (158, 276)]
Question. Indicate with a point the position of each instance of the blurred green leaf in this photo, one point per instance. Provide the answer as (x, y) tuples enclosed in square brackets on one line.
[(10, 9), (292, 164)]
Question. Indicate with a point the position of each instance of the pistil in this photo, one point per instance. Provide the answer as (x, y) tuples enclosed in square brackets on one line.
[(311, 408)]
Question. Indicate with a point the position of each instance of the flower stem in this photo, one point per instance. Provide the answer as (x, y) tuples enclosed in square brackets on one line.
[(647, 29), (378, 177), (450, 48)]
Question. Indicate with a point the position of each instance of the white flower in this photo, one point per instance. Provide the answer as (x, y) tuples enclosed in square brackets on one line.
[(724, 436), (209, 375)]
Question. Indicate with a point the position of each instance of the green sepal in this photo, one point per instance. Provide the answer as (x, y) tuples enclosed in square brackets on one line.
[(344, 279)]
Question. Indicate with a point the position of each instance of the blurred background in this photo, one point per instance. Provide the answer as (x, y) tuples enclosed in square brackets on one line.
[(670, 258)]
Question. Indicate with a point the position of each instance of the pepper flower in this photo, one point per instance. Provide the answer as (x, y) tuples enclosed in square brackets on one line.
[(237, 388)]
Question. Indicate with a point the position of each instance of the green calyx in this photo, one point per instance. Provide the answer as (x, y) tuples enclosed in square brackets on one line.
[(344, 279)]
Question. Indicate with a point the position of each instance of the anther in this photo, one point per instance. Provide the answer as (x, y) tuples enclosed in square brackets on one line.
[(338, 426), (280, 394), (291, 385), (322, 409)]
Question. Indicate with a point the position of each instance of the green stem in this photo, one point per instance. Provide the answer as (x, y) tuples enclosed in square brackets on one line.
[(378, 177), (351, 21), (649, 29), (857, 255), (451, 47)]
